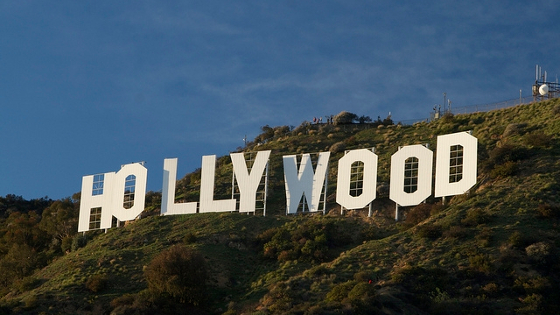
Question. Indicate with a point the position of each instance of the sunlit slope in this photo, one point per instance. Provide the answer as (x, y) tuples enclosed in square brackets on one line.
[(494, 250)]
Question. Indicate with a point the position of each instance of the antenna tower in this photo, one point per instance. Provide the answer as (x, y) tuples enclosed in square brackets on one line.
[(542, 89)]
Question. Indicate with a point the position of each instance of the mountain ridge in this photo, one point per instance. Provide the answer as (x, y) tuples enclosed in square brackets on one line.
[(491, 251)]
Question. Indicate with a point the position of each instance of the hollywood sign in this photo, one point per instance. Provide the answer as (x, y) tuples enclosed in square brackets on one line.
[(122, 194)]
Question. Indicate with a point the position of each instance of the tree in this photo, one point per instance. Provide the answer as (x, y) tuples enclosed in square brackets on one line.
[(267, 133), (20, 261), (364, 119), (22, 228), (344, 118), (388, 121), (60, 220), (180, 273)]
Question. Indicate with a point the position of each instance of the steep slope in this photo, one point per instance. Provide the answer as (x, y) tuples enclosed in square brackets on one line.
[(493, 250)]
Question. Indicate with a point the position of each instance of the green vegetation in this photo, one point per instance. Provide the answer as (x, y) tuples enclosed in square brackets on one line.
[(493, 250), (180, 273)]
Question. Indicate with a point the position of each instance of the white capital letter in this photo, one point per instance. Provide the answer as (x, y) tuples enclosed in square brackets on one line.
[(168, 205), (138, 194), (343, 197), (465, 169), (422, 175), (207, 202), (248, 183), (305, 181), (96, 197)]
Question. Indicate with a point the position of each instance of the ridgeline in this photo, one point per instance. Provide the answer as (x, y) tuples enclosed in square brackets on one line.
[(494, 250)]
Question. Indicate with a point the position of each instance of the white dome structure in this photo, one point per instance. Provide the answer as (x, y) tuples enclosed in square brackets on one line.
[(543, 90)]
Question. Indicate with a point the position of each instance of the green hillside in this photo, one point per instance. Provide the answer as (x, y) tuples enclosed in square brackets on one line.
[(494, 250)]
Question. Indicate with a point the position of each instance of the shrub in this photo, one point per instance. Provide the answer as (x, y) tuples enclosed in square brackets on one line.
[(504, 153), (456, 231), (538, 252), (429, 231), (189, 238), (484, 237), (506, 169), (418, 214), (364, 276), (281, 131), (475, 217), (532, 304), (66, 244), (491, 289), (338, 147), (480, 263), (27, 284), (361, 290), (447, 117), (548, 211), (518, 240), (344, 118), (514, 129), (267, 133), (180, 273), (96, 283), (78, 241), (279, 298), (340, 291), (421, 282), (140, 303), (310, 240), (537, 139), (370, 232)]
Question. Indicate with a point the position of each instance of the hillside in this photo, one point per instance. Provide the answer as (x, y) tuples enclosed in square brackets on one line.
[(492, 251)]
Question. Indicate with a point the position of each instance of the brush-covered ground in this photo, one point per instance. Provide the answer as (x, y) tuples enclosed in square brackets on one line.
[(494, 250)]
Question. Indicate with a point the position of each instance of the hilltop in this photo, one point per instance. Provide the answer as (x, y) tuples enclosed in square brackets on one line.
[(492, 251)]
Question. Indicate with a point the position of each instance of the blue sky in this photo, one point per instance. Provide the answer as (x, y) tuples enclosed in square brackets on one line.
[(86, 86)]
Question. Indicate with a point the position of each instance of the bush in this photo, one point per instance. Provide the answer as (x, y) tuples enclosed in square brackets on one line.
[(518, 240), (27, 284), (189, 238), (537, 139), (281, 131), (180, 273), (365, 276), (484, 237), (475, 217), (361, 290), (504, 153), (337, 147), (506, 169), (456, 231), (447, 117), (418, 214), (429, 231), (421, 282), (480, 263), (78, 241), (514, 129), (532, 304), (309, 241), (370, 232), (96, 283), (539, 252), (548, 211), (66, 244), (344, 118), (340, 291)]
